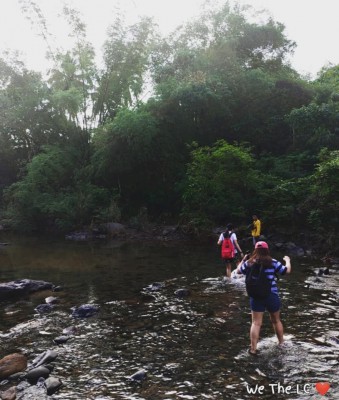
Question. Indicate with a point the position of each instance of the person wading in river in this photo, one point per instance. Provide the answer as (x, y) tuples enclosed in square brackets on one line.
[(271, 302), (256, 229), (229, 233)]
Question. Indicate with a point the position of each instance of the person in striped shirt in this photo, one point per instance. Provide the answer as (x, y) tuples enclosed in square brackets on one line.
[(270, 303)]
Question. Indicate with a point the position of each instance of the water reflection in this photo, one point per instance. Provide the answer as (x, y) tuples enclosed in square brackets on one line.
[(191, 347)]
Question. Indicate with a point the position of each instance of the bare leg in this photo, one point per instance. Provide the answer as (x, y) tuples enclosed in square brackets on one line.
[(228, 270), (257, 318), (277, 326)]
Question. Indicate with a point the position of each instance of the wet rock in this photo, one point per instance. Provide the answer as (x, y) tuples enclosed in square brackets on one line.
[(50, 367), (21, 287), (181, 293), (51, 300), (18, 376), (57, 288), (147, 297), (44, 358), (79, 236), (139, 376), (31, 393), (155, 287), (334, 339), (12, 364), (113, 228), (39, 372), (61, 339), (70, 330), (9, 394), (52, 385), (43, 308), (85, 311)]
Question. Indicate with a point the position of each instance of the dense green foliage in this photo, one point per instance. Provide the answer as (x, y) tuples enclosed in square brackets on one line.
[(208, 125)]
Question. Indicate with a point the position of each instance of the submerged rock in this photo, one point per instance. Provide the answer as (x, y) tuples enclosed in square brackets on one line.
[(139, 375), (43, 308), (85, 310), (70, 330), (61, 339), (182, 292)]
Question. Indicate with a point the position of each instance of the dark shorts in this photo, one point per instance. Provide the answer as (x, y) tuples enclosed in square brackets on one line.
[(271, 303), (227, 260)]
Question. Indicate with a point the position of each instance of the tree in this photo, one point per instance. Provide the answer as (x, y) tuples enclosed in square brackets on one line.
[(322, 203), (74, 76), (55, 193), (126, 59), (221, 184)]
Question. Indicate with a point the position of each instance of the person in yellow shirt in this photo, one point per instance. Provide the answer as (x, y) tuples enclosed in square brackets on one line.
[(256, 228)]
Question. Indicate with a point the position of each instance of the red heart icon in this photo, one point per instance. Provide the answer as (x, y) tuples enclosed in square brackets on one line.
[(322, 387)]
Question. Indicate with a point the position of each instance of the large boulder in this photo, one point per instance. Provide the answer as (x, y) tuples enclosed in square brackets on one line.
[(12, 364), (22, 286)]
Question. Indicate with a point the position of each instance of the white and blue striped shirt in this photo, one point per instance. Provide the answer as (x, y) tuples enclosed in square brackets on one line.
[(275, 269)]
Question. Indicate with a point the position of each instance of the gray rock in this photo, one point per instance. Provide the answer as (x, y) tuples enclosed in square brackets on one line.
[(21, 287), (44, 308), (39, 372), (139, 375), (44, 358), (85, 310), (51, 300), (52, 384), (61, 339), (182, 293), (32, 393), (70, 330)]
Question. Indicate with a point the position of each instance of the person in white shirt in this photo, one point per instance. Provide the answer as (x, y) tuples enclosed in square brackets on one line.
[(237, 250)]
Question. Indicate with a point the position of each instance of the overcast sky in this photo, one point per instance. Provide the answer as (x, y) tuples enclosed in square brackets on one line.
[(313, 25)]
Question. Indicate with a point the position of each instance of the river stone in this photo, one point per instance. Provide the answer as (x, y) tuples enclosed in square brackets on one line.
[(70, 330), (51, 300), (182, 292), (155, 287), (22, 286), (139, 375), (12, 364), (9, 394), (85, 310), (43, 308), (39, 372), (18, 376), (50, 367), (61, 339), (52, 384), (32, 393), (44, 358)]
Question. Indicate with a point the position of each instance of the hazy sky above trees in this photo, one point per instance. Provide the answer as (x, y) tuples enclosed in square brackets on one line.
[(312, 25)]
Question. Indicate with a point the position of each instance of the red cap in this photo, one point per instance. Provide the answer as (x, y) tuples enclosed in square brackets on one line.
[(261, 245)]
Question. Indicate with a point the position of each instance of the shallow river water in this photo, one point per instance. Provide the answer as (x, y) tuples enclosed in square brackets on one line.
[(185, 347)]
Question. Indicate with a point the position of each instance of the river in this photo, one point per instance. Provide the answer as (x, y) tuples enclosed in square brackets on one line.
[(187, 347)]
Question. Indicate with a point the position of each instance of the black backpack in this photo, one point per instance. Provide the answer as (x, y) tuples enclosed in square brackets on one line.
[(258, 285)]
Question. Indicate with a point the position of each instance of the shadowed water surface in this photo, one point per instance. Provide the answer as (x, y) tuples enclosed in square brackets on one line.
[(187, 345)]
